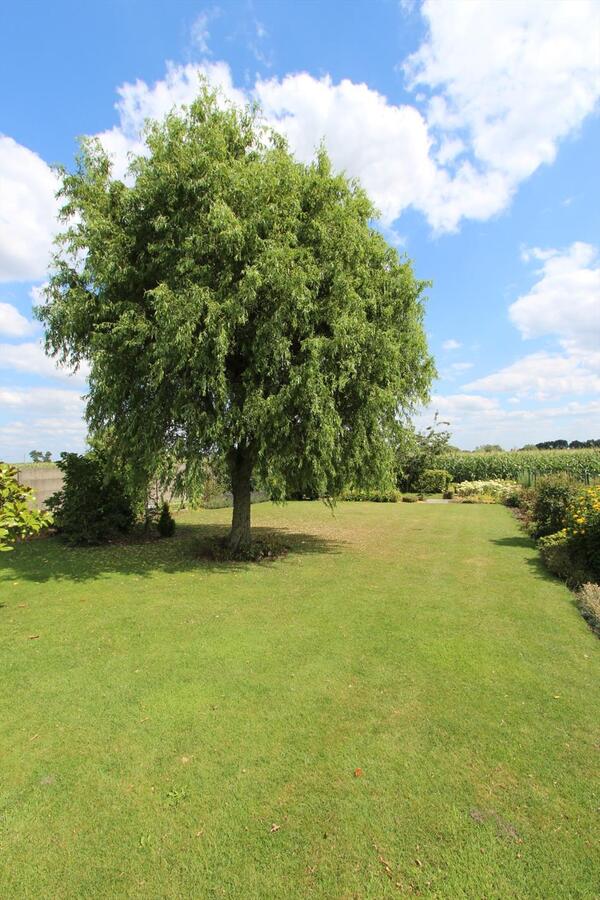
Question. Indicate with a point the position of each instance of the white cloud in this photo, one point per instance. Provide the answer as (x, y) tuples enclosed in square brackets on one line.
[(200, 31), (30, 358), (28, 210), (476, 420), (509, 79), (543, 376), (451, 344), (12, 323), (46, 419), (565, 301), (461, 366)]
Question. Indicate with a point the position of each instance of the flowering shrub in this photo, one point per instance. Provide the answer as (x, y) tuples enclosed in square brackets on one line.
[(588, 601), (494, 490), (583, 525)]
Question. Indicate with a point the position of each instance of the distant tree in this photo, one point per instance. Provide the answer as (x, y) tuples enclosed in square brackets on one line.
[(47, 456), (420, 451), (489, 448), (36, 456), (234, 302)]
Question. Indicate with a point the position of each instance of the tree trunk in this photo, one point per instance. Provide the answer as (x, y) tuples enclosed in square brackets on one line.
[(241, 472)]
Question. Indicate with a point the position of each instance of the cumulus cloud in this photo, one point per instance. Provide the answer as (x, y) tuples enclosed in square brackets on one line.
[(12, 323), (40, 418), (30, 358), (509, 80), (543, 376), (28, 209), (565, 301), (475, 420), (451, 344)]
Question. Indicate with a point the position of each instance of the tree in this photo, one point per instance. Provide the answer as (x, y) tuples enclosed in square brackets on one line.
[(232, 301), (489, 448), (36, 456), (419, 452), (18, 519)]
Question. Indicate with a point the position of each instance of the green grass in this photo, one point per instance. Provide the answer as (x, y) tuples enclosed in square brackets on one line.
[(169, 713)]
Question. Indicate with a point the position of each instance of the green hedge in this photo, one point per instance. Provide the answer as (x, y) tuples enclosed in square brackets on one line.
[(524, 466)]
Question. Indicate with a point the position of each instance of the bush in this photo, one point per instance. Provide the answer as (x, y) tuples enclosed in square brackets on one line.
[(552, 497), (93, 505), (491, 491), (372, 496), (588, 601), (17, 519), (583, 525), (433, 481), (408, 498), (166, 522), (563, 558)]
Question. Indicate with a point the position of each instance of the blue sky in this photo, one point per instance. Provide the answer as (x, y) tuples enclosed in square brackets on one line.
[(473, 124)]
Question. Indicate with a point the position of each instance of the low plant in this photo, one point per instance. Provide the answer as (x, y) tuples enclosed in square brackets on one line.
[(583, 525), (409, 498), (495, 489), (166, 522), (553, 496), (588, 601), (18, 518), (390, 496), (561, 556), (433, 481), (94, 504)]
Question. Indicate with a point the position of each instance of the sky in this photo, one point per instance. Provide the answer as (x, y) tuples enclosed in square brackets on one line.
[(473, 125)]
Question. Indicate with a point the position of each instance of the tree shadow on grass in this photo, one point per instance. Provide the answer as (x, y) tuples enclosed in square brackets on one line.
[(50, 559), (535, 562)]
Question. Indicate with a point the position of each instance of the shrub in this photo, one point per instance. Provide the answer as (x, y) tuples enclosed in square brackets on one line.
[(166, 522), (408, 498), (588, 601), (433, 481), (390, 496), (494, 490), (552, 497), (17, 519), (448, 495), (583, 525), (93, 505), (563, 558)]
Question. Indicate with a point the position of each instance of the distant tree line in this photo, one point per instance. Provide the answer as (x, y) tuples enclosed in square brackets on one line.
[(590, 444)]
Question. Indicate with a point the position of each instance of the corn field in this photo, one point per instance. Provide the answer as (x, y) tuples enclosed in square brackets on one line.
[(524, 466)]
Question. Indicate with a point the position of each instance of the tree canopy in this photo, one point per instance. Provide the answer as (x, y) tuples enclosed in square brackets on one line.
[(232, 300)]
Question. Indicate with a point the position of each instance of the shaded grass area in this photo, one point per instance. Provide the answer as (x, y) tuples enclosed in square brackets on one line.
[(181, 728)]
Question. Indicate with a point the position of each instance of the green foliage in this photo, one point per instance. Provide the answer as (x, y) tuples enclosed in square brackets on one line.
[(94, 504), (433, 481), (18, 519), (588, 601), (421, 451), (563, 558), (166, 522), (497, 489), (523, 466), (489, 448), (583, 524), (409, 498), (552, 497), (390, 496), (232, 301)]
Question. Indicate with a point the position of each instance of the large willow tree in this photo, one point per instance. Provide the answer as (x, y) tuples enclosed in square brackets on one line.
[(233, 301)]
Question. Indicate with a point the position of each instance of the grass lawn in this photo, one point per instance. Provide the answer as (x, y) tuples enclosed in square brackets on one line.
[(176, 729)]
